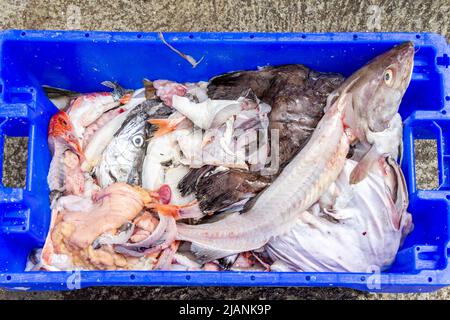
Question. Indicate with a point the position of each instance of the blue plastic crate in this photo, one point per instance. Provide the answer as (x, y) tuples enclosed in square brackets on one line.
[(80, 61)]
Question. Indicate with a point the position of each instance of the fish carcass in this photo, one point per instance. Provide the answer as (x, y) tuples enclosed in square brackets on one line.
[(366, 102), (70, 241), (297, 96), (123, 157), (361, 228)]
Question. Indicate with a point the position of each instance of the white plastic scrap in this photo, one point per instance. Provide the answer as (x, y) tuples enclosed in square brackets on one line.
[(188, 58)]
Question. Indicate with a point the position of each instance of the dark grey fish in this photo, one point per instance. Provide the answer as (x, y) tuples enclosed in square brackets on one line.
[(297, 96)]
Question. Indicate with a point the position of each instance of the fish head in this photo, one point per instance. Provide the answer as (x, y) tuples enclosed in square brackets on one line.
[(61, 128), (378, 88)]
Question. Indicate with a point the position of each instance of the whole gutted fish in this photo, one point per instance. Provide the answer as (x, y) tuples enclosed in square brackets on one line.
[(297, 96), (122, 159), (366, 102)]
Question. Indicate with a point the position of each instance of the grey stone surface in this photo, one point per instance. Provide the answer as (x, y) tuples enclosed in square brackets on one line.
[(226, 15)]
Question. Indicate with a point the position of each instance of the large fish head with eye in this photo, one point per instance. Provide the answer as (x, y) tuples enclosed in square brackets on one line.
[(61, 129), (378, 88)]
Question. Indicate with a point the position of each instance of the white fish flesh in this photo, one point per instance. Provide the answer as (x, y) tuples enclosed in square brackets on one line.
[(364, 233)]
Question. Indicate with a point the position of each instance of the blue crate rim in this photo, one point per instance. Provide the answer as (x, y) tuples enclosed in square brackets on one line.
[(432, 280), (394, 37)]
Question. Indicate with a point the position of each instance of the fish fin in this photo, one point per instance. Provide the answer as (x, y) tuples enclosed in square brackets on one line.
[(120, 93), (190, 210), (54, 92), (165, 126), (149, 89), (188, 184), (400, 152), (167, 210), (204, 254), (363, 167), (125, 98), (401, 200)]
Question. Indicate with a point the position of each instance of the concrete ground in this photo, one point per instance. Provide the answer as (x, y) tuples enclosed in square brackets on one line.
[(225, 15)]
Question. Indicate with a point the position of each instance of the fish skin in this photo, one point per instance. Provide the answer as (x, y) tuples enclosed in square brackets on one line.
[(225, 187), (99, 123), (297, 96), (360, 105), (86, 109), (65, 175), (123, 157)]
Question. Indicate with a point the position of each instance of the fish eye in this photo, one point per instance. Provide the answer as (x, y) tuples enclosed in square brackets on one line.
[(138, 141), (388, 77)]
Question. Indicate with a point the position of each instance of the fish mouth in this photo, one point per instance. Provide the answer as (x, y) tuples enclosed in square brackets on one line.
[(406, 53), (75, 146)]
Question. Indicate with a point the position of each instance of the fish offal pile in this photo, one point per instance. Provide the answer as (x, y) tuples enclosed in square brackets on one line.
[(281, 168)]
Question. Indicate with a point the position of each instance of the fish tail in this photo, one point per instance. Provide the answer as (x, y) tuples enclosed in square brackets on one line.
[(168, 210), (120, 93), (125, 98), (177, 212), (53, 92)]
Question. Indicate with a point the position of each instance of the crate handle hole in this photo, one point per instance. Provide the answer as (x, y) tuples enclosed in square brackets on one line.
[(188, 277), (430, 279), (447, 98), (86, 35), (426, 161), (132, 277), (355, 36), (308, 278), (418, 36), (139, 36), (444, 112), (23, 34), (8, 278), (15, 159), (252, 278), (252, 36), (303, 36)]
